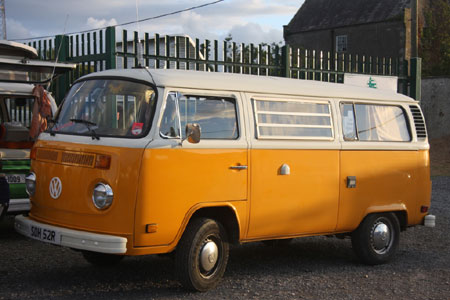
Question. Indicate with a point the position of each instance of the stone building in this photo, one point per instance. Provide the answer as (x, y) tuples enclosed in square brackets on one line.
[(365, 27)]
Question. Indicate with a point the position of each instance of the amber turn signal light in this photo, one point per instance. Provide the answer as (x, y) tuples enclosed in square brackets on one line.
[(103, 161)]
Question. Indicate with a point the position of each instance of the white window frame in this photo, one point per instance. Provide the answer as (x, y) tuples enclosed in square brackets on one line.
[(257, 112)]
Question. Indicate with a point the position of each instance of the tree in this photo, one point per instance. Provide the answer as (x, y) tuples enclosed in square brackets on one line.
[(435, 41)]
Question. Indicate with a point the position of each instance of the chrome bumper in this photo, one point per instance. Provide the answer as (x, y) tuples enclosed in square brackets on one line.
[(429, 221), (76, 239), (16, 205)]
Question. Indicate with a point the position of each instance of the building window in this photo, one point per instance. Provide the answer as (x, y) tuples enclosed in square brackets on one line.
[(341, 43)]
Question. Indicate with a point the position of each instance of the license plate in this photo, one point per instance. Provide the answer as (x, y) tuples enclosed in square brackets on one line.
[(15, 178), (45, 235)]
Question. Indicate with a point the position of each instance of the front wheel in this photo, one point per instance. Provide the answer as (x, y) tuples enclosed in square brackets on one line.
[(376, 239), (202, 254)]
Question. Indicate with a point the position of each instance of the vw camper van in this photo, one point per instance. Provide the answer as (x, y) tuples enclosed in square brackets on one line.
[(19, 72), (146, 161)]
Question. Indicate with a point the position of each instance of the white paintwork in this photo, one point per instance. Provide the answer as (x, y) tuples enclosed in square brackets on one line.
[(16, 89), (244, 88), (9, 48), (13, 154), (252, 84), (10, 63), (76, 239)]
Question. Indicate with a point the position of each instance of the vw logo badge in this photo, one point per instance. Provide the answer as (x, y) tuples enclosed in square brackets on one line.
[(55, 187)]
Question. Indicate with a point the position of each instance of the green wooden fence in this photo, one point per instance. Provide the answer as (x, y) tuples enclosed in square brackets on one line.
[(101, 50)]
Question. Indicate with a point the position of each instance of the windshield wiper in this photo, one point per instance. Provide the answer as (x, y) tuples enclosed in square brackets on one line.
[(88, 126)]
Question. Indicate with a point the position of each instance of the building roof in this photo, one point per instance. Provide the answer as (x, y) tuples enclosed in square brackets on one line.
[(325, 14), (251, 84)]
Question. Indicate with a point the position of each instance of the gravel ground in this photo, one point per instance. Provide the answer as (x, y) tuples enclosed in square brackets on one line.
[(308, 268)]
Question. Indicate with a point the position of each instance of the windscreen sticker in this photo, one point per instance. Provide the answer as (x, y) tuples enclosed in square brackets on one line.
[(137, 128)]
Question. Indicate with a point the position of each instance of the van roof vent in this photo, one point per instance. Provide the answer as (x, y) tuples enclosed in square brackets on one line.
[(419, 122)]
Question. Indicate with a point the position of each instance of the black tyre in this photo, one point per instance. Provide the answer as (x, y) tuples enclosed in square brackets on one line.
[(202, 254), (376, 239), (3, 210), (102, 259)]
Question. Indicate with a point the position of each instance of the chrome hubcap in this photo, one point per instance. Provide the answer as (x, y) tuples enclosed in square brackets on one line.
[(381, 238), (209, 255)]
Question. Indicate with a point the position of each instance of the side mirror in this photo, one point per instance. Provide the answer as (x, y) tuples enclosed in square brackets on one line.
[(193, 133)]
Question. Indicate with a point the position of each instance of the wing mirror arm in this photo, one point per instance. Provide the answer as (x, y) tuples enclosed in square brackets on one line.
[(193, 133)]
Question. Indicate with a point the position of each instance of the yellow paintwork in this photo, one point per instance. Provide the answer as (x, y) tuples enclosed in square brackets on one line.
[(306, 201), (74, 208), (385, 181), (165, 187), (173, 181)]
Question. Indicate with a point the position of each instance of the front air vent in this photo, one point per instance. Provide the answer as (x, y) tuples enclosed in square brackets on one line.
[(419, 122), (71, 158), (43, 154)]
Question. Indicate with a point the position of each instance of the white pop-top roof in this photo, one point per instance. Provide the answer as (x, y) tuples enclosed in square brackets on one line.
[(16, 89), (8, 48), (252, 84)]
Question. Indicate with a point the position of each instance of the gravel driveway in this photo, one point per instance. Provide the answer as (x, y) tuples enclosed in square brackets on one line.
[(308, 268)]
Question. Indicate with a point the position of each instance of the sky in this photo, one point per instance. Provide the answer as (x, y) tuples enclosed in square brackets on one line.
[(254, 21)]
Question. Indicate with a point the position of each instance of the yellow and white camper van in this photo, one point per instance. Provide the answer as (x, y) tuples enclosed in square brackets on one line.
[(154, 161)]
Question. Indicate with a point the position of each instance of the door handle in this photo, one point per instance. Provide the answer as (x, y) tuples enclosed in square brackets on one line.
[(239, 167)]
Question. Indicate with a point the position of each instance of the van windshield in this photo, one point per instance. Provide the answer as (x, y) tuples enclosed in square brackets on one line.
[(106, 107)]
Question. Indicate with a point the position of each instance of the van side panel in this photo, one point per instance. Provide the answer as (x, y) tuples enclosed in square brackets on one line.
[(385, 181), (303, 202), (173, 181), (423, 191)]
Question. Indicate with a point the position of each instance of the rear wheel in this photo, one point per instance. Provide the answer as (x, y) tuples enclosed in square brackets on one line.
[(376, 239), (202, 255), (102, 259)]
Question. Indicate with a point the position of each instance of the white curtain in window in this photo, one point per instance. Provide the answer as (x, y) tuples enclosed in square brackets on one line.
[(381, 123)]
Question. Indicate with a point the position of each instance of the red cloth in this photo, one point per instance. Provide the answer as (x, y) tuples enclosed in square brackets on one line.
[(41, 111)]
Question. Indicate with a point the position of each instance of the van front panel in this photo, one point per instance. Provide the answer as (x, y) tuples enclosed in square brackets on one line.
[(74, 165)]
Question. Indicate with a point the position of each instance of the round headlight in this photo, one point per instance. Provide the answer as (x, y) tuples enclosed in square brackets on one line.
[(102, 196), (30, 184)]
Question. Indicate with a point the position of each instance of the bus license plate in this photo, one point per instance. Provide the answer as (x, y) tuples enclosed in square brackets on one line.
[(45, 235), (15, 178)]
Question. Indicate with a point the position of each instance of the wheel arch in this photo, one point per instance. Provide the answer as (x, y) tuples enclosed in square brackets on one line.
[(400, 211), (225, 214)]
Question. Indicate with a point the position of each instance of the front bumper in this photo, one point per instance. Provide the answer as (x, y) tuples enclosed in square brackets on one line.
[(19, 205), (76, 239)]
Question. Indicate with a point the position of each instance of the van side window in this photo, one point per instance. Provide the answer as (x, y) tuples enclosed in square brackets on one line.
[(292, 119), (348, 122), (384, 123), (170, 123), (217, 116)]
